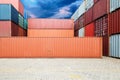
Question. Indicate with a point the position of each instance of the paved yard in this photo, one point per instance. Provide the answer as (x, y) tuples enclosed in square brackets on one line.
[(60, 69)]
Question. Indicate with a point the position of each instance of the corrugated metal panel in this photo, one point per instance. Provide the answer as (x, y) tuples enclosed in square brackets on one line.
[(81, 9), (81, 32), (21, 21), (114, 46), (25, 24), (114, 4), (95, 1), (89, 4), (119, 45), (101, 26), (51, 47), (8, 29), (50, 24), (89, 16), (16, 3), (114, 22), (99, 9), (81, 21), (89, 30), (50, 33), (79, 12), (76, 25), (8, 12), (105, 46)]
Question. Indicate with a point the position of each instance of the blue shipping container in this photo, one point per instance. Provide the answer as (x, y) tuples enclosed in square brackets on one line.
[(8, 12)]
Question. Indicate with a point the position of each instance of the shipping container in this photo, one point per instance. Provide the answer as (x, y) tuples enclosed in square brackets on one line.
[(8, 12), (50, 33), (89, 4), (114, 22), (50, 24), (76, 25), (99, 9), (89, 16), (105, 46), (81, 21), (76, 32), (101, 26), (95, 1), (79, 12), (89, 30), (16, 3), (50, 47), (22, 32), (21, 21), (114, 46), (114, 4), (81, 9), (81, 32), (8, 29), (25, 24)]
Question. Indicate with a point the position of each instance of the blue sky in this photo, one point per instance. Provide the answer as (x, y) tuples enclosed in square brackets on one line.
[(61, 9)]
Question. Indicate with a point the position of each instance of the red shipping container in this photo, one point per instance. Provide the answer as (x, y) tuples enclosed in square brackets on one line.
[(89, 30), (105, 46), (16, 3), (81, 22), (114, 22), (8, 29), (101, 26), (76, 25), (99, 9), (50, 33), (89, 16), (76, 32), (22, 32), (96, 1), (50, 47), (50, 24)]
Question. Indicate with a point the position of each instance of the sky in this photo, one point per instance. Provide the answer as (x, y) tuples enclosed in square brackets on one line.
[(60, 9)]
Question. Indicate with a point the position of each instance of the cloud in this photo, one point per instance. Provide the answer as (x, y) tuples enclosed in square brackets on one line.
[(65, 12), (62, 13), (50, 8)]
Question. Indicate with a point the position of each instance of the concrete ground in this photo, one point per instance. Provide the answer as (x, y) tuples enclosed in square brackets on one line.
[(60, 69)]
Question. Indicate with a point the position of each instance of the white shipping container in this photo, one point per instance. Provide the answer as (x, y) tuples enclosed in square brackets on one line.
[(81, 32), (75, 16), (114, 4), (89, 4), (80, 11), (115, 46)]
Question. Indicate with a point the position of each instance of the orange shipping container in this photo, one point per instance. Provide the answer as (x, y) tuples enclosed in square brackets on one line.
[(50, 24), (51, 47), (50, 33), (16, 3)]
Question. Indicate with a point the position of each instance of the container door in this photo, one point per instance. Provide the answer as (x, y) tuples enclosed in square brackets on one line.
[(119, 46)]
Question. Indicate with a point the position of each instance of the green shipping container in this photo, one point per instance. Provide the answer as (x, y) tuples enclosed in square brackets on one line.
[(21, 21), (25, 24)]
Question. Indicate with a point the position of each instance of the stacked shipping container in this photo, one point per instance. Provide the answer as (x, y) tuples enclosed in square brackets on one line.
[(53, 28), (103, 17), (114, 28), (11, 19)]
